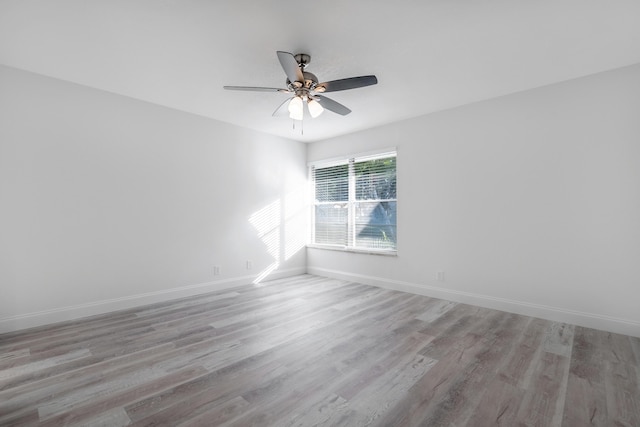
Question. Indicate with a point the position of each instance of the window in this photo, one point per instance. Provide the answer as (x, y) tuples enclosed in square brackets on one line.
[(355, 203)]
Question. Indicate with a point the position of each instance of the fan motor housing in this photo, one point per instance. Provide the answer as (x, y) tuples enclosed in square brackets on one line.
[(309, 79), (310, 82)]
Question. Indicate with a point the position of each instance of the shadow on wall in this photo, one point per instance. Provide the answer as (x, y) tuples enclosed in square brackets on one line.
[(282, 227)]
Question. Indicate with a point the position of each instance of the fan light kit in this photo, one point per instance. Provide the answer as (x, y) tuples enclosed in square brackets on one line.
[(306, 90)]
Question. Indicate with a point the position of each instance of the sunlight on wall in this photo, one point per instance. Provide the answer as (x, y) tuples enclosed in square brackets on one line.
[(267, 222), (296, 221), (282, 227)]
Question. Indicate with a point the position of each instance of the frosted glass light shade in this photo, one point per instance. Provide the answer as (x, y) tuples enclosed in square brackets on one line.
[(315, 109), (295, 108)]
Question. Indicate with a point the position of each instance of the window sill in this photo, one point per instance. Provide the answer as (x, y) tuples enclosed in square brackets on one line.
[(354, 250)]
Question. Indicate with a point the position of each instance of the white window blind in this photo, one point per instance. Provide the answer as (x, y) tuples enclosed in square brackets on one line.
[(355, 203)]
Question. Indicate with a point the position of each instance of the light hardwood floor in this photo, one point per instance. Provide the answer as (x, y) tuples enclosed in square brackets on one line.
[(308, 351)]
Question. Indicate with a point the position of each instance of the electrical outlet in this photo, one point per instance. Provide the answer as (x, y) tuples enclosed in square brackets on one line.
[(440, 276), (216, 270), (249, 265)]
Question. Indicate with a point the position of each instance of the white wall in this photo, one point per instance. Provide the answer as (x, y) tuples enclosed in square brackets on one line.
[(529, 203), (108, 202)]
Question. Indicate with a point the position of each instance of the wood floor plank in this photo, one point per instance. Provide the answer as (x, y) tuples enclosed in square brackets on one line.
[(498, 405), (307, 351), (72, 373), (437, 309), (381, 357), (388, 389), (181, 305), (634, 343), (28, 368), (558, 339), (623, 394), (83, 410), (48, 333), (177, 403), (586, 401), (518, 370), (116, 417), (218, 415), (543, 402), (12, 358), (327, 411), (585, 404)]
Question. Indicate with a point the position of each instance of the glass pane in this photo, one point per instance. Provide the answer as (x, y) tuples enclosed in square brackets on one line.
[(375, 225), (331, 224), (376, 179), (332, 183)]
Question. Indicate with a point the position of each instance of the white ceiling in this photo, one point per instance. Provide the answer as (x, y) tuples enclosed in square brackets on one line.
[(428, 55)]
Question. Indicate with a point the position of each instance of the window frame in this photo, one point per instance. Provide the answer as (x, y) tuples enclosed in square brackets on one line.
[(351, 202)]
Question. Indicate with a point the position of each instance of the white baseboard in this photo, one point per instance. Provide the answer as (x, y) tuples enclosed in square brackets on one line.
[(62, 314), (557, 314)]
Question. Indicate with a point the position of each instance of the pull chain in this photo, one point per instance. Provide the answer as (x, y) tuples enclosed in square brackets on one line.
[(293, 126)]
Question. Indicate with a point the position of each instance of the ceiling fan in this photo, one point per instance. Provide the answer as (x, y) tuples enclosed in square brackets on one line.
[(306, 90)]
